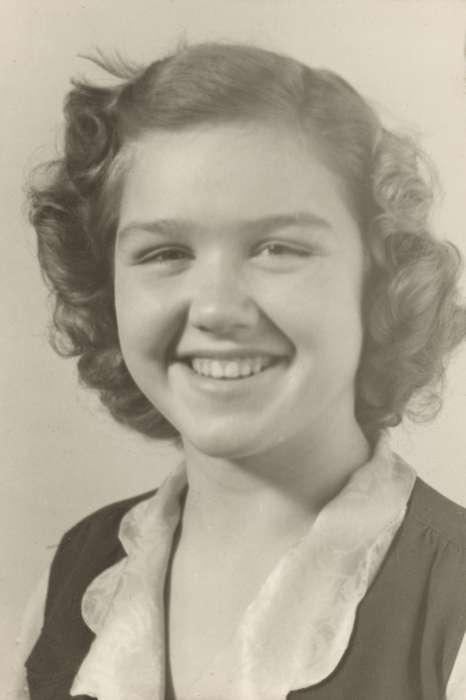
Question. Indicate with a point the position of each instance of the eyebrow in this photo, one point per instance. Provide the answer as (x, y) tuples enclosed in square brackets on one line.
[(261, 225)]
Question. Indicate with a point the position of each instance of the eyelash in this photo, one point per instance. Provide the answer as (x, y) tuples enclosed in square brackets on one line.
[(271, 249), (285, 248), (164, 255)]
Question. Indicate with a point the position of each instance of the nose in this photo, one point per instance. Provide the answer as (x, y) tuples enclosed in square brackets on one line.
[(220, 303)]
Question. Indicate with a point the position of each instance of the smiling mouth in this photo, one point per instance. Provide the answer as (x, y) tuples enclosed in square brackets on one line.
[(230, 369)]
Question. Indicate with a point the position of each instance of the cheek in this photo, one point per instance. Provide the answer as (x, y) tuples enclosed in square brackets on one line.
[(321, 309), (142, 320), (341, 319)]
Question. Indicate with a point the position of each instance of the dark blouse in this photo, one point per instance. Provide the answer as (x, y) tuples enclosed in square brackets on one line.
[(408, 629)]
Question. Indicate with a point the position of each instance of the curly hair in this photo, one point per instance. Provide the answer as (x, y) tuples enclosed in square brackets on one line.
[(412, 315)]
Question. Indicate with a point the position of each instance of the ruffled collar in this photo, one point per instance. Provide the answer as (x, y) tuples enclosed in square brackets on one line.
[(293, 633)]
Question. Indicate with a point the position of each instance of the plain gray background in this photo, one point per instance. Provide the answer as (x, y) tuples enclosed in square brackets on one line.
[(60, 455)]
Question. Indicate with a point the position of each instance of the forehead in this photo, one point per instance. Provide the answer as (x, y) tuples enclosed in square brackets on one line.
[(221, 173)]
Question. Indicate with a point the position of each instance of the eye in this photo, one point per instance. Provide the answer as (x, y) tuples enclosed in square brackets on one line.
[(165, 255), (278, 249)]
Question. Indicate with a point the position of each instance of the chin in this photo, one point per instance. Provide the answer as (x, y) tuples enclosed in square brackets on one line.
[(223, 444)]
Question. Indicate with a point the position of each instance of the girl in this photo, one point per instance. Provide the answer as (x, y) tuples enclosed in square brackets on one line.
[(241, 259)]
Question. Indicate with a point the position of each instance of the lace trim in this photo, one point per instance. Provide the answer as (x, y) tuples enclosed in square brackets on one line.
[(291, 636)]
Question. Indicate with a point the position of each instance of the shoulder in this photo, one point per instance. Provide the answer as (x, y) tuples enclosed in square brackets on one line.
[(87, 548), (437, 554), (420, 587), (425, 567), (429, 558), (445, 520), (108, 518)]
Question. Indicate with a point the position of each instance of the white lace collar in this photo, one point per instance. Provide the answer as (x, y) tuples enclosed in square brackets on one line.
[(295, 631)]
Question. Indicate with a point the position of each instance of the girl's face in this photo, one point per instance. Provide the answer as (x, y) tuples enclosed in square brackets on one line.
[(238, 280)]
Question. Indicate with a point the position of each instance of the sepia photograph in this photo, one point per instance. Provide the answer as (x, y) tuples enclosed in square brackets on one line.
[(233, 379)]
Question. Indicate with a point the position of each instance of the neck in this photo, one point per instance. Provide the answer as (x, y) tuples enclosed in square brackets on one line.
[(266, 500)]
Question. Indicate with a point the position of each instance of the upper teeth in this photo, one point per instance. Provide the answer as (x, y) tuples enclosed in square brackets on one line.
[(229, 369)]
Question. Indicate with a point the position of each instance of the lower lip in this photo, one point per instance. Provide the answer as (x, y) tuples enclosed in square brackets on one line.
[(226, 385)]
